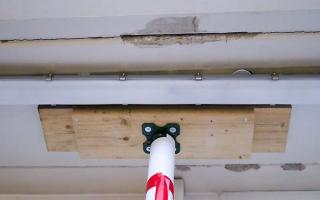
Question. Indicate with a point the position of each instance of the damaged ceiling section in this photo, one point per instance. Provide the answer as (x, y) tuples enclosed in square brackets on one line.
[(285, 53), (216, 37)]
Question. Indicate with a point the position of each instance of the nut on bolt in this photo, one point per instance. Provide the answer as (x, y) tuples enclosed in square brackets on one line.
[(123, 77), (147, 129), (275, 76), (173, 130), (198, 77), (49, 77)]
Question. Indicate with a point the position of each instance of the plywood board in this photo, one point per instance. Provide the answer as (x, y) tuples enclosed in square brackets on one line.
[(271, 129), (58, 130), (115, 132)]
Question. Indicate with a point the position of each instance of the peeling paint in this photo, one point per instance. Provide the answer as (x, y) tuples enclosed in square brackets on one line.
[(241, 167), (293, 167), (126, 138), (157, 40), (162, 40), (172, 25)]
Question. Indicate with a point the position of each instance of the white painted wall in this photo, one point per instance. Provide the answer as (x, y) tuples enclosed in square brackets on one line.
[(33, 9), (111, 26), (34, 19)]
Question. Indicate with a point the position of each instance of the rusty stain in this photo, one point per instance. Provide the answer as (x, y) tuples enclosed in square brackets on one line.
[(126, 138), (68, 126), (241, 167), (171, 25), (293, 167), (186, 39), (183, 168)]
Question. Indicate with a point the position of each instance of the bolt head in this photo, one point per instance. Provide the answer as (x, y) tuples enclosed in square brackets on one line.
[(275, 77), (147, 129), (173, 130)]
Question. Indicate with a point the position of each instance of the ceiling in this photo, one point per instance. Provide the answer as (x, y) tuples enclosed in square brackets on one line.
[(41, 37)]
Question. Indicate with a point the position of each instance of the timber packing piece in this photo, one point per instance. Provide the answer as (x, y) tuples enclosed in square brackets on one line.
[(207, 132)]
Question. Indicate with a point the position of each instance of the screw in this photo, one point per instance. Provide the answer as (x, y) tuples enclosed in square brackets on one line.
[(198, 77), (173, 130), (148, 149), (147, 129), (49, 77), (275, 76), (123, 77)]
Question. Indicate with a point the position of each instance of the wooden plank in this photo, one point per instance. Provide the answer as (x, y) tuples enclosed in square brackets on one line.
[(271, 129), (58, 129), (206, 132), (270, 132)]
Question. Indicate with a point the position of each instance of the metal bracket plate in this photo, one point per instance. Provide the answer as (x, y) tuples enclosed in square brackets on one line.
[(152, 132)]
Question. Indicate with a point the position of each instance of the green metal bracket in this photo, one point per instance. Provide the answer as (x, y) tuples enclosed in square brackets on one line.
[(152, 132)]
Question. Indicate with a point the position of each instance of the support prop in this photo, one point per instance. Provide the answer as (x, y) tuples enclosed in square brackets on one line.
[(162, 150)]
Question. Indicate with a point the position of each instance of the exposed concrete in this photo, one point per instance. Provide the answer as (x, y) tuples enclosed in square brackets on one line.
[(293, 167), (185, 39), (146, 40), (241, 167)]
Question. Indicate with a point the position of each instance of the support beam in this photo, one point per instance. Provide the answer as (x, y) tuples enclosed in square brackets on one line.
[(287, 53), (160, 90), (161, 169)]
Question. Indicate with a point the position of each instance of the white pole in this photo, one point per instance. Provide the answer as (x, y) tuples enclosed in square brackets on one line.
[(161, 169)]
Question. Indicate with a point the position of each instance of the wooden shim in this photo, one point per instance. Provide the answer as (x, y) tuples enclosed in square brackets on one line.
[(58, 130), (271, 129), (206, 132)]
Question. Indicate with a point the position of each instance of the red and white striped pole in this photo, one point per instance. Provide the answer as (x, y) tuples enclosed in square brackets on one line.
[(161, 169)]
